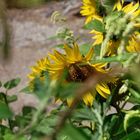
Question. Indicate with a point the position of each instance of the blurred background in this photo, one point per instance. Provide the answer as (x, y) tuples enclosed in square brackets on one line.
[(25, 32), (28, 28)]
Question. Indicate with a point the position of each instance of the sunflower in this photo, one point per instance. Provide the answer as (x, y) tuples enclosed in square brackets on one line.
[(112, 45), (131, 9), (79, 69), (72, 60), (134, 43), (98, 37), (118, 5), (89, 9), (38, 69)]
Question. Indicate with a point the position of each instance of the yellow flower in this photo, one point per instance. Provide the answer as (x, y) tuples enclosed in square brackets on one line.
[(112, 47), (61, 61), (137, 25), (79, 69), (134, 43), (118, 5), (132, 9), (89, 10), (37, 71), (71, 60), (98, 37)]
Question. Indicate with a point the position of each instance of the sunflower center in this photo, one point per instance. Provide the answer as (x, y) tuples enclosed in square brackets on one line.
[(78, 73)]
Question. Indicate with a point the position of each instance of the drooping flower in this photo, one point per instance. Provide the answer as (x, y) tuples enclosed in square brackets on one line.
[(89, 9), (134, 43)]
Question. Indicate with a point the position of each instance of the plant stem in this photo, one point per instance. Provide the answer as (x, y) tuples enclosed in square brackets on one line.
[(6, 101)]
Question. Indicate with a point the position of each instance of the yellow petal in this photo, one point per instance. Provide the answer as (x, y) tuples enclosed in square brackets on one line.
[(103, 90), (59, 56), (130, 8), (89, 54), (55, 67), (68, 50), (88, 99), (69, 101), (76, 51)]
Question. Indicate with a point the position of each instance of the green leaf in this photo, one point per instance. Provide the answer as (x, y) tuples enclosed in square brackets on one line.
[(2, 96), (26, 89), (108, 4), (67, 90), (12, 83), (61, 46), (96, 25), (136, 107), (131, 118), (119, 58), (5, 112), (2, 130), (114, 121), (46, 125), (41, 88), (9, 136), (27, 110), (132, 136), (84, 48), (83, 114), (70, 132), (135, 96)]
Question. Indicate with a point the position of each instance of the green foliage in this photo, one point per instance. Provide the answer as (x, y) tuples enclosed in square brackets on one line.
[(135, 96), (12, 83), (96, 25), (132, 118), (70, 132), (5, 112), (84, 48)]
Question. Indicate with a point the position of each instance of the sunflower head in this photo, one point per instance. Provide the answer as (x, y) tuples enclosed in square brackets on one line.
[(132, 9), (118, 5), (71, 60), (97, 36), (134, 43), (90, 10), (39, 69), (78, 67), (77, 73)]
